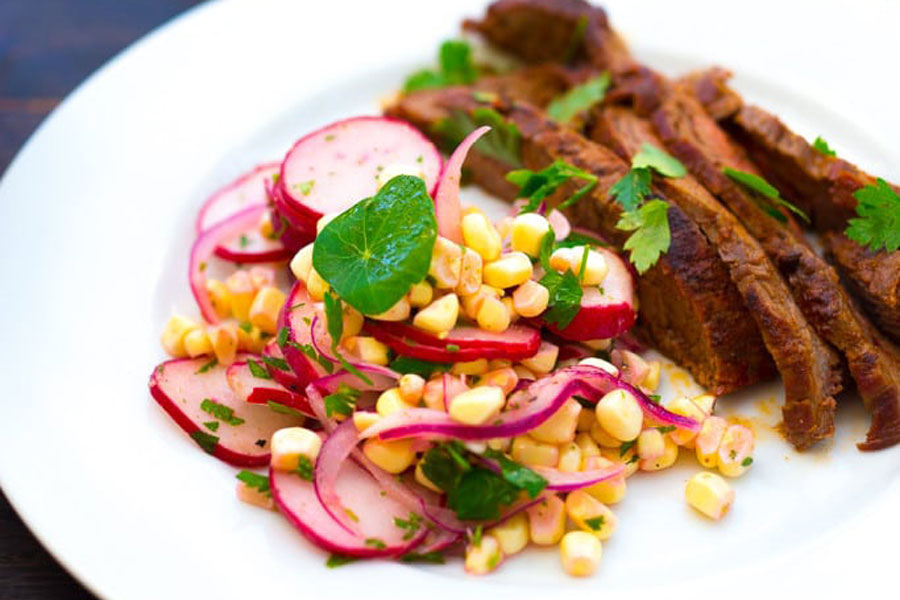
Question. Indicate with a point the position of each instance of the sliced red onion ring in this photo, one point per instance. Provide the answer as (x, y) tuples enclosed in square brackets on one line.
[(560, 224), (381, 378), (335, 450), (446, 197), (204, 247)]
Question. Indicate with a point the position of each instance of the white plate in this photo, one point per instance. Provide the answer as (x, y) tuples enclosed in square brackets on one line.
[(96, 216)]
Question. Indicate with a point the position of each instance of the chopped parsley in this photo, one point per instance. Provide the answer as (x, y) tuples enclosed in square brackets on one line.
[(538, 185), (257, 370), (452, 348), (206, 367), (820, 145), (283, 409), (519, 475), (595, 523), (579, 99), (747, 462), (311, 353), (211, 425), (477, 534), (304, 468), (435, 557), (877, 225), (244, 240), (654, 398), (411, 525), (565, 289), (283, 335), (372, 253), (205, 440), (503, 143), (220, 411), (424, 368), (455, 68), (626, 446), (666, 429), (375, 543), (341, 402), (763, 189), (338, 560), (258, 482), (305, 187)]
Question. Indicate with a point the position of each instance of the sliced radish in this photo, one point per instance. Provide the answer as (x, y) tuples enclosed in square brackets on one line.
[(204, 247), (461, 344), (297, 315), (247, 387), (180, 386), (447, 209), (607, 311), (560, 224), (373, 513), (333, 168)]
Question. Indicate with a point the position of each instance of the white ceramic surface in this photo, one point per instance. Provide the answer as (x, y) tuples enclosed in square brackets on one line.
[(96, 216)]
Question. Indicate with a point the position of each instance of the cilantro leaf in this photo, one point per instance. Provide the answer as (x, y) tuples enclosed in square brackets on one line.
[(338, 560), (503, 143), (206, 366), (651, 237), (372, 253), (276, 363), (342, 401), (762, 187), (257, 370), (253, 480), (283, 336), (822, 146), (283, 408), (565, 297), (519, 475), (220, 411), (424, 368), (444, 465), (305, 469), (878, 222), (631, 190), (456, 68), (480, 494), (205, 440), (546, 249), (580, 98), (538, 185), (595, 523), (660, 161)]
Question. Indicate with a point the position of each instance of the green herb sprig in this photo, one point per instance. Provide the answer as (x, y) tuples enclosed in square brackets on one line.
[(455, 68), (535, 186), (877, 225), (579, 99), (763, 190)]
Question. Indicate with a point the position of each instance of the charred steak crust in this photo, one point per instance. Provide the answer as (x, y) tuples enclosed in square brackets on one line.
[(690, 308)]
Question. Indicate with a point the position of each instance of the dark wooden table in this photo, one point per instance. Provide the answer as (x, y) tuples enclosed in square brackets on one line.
[(46, 48)]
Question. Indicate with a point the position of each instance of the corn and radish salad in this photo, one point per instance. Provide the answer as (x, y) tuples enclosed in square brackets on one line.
[(432, 382)]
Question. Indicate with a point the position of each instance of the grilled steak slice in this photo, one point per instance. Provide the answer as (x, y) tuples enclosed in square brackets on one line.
[(804, 360), (571, 31), (822, 185), (705, 149), (691, 310)]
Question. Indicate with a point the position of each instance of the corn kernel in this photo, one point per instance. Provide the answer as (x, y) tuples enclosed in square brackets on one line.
[(547, 521), (530, 299), (529, 452), (735, 450), (511, 534), (560, 427), (627, 459), (433, 395), (477, 405), (398, 312), (224, 339), (485, 557), (524, 373), (353, 322), (493, 315), (242, 294), (473, 367), (610, 491), (481, 236), (250, 338), (500, 444), (545, 359), (363, 419), (394, 169), (590, 514), (325, 220), (440, 316), (686, 408), (302, 263), (599, 435), (597, 345), (504, 227), (393, 456), (528, 232), (708, 440), (420, 294), (709, 494), (651, 379), (368, 349), (174, 333), (620, 415), (253, 496), (470, 273), (504, 378), (665, 460), (603, 365), (423, 480), (292, 445), (581, 553), (470, 209), (508, 271), (569, 458), (471, 304), (586, 420), (650, 444), (196, 343), (265, 308), (389, 402), (411, 387), (587, 445), (265, 227), (446, 264), (316, 286), (220, 297), (510, 308), (706, 402)]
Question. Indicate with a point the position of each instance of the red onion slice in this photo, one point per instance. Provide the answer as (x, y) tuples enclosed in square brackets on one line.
[(335, 450), (446, 198)]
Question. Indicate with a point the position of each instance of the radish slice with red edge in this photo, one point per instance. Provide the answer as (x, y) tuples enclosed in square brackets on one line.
[(334, 167), (203, 249), (297, 315), (447, 208), (373, 509), (181, 386), (247, 387), (461, 344), (606, 311)]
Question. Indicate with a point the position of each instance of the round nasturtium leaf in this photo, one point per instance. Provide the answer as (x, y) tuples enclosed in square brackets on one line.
[(371, 254)]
